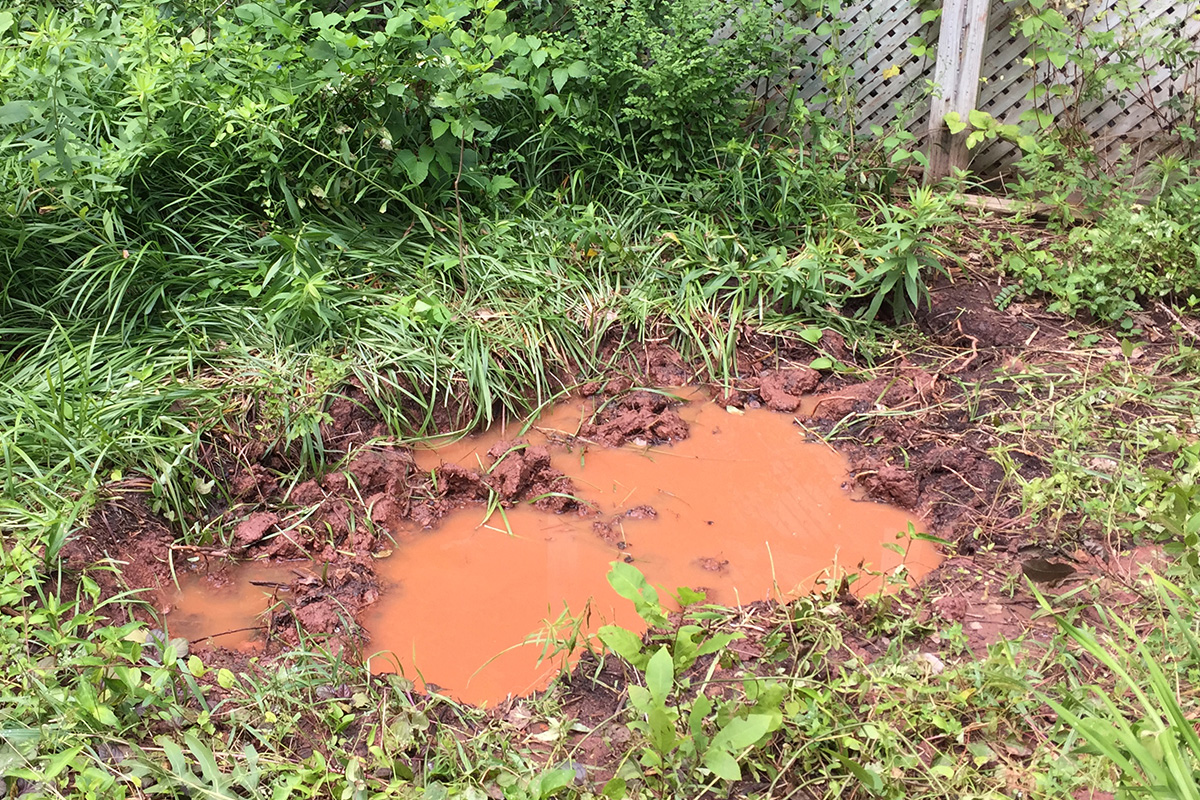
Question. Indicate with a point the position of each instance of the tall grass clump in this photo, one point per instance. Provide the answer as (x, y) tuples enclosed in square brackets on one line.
[(1138, 720)]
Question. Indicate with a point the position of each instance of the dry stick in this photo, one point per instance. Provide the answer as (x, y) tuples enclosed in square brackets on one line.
[(961, 478), (1175, 318), (973, 355), (809, 432), (226, 633)]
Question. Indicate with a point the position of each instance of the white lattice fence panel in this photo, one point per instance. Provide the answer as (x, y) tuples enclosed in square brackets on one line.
[(874, 42)]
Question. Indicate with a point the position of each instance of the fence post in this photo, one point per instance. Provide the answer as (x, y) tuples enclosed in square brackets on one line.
[(956, 78)]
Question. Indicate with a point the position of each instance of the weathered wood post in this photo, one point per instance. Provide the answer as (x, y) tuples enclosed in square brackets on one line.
[(956, 75)]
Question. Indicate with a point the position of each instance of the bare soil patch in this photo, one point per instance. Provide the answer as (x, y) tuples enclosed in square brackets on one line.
[(911, 428)]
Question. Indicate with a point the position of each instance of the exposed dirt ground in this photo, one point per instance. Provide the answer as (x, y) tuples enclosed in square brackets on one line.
[(911, 429)]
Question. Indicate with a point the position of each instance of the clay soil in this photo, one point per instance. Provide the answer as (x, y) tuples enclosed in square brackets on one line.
[(906, 427)]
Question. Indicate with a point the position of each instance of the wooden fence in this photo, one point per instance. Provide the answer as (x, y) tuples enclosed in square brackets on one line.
[(976, 60)]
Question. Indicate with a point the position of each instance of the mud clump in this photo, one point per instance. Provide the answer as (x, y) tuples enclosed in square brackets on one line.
[(966, 313), (665, 367), (352, 420), (911, 387), (461, 484), (523, 472), (378, 483), (127, 532), (328, 605), (782, 390), (255, 483), (610, 532), (892, 484), (713, 564), (641, 512), (385, 471), (642, 417), (253, 528)]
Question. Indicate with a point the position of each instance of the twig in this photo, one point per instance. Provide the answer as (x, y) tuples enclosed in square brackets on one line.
[(1178, 321), (227, 633), (972, 355)]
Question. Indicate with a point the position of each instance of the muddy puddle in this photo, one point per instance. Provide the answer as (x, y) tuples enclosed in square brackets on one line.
[(224, 608), (745, 508)]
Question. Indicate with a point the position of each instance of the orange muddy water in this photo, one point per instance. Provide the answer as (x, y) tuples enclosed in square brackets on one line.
[(745, 508), (223, 609)]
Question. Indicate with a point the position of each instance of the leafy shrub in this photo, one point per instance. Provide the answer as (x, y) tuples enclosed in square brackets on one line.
[(303, 108), (664, 78), (1136, 253)]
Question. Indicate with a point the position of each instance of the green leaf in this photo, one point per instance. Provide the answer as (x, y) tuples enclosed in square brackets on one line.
[(663, 736), (741, 732), (438, 127), (702, 706), (718, 642), (867, 776), (685, 649), (980, 119), (495, 85), (614, 789), (174, 755), (820, 363), (577, 69), (205, 758), (550, 782), (495, 21), (954, 122), (660, 675), (6, 21), (722, 764), (630, 583), (639, 698), (623, 642), (500, 183), (560, 75), (15, 112), (57, 762), (105, 716), (225, 678), (813, 335), (417, 168)]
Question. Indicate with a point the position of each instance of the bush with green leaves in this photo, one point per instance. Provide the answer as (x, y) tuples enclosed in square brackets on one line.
[(664, 79), (1135, 255), (263, 106)]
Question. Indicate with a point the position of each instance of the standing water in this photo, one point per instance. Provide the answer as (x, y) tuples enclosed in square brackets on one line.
[(745, 509)]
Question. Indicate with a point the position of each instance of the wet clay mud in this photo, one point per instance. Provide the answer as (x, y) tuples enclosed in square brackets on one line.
[(734, 502)]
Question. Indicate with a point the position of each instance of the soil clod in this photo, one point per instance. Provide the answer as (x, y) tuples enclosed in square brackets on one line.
[(781, 390), (646, 416)]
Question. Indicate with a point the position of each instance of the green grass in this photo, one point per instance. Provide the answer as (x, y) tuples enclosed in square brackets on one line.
[(207, 242), (124, 366)]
